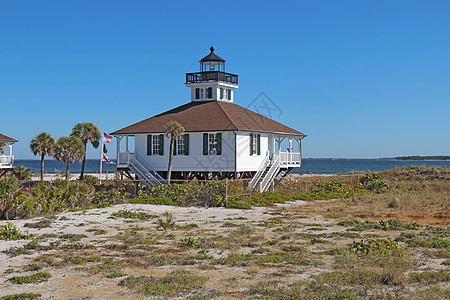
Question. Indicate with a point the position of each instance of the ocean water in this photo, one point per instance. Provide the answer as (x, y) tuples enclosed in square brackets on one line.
[(313, 165)]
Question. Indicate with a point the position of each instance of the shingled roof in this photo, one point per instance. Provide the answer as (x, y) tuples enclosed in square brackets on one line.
[(4, 138), (202, 116)]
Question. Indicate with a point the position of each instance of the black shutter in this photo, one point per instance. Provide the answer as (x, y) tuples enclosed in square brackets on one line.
[(251, 143), (205, 144), (229, 94), (149, 144), (186, 144), (259, 144), (221, 93), (161, 144), (209, 92), (197, 93), (219, 143)]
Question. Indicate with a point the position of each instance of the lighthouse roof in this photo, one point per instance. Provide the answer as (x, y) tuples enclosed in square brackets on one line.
[(203, 116), (212, 57)]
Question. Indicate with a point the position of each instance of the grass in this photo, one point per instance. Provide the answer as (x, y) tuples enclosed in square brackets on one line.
[(429, 277), (34, 278), (174, 284), (40, 224), (22, 296), (127, 214)]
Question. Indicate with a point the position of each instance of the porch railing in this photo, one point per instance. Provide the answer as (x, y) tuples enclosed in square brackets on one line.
[(289, 159), (6, 161)]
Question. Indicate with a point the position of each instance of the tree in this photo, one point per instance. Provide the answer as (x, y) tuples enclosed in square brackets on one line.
[(43, 144), (2, 145), (69, 149), (87, 132), (173, 130)]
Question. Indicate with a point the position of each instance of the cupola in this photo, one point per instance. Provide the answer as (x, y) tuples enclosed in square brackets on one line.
[(212, 83)]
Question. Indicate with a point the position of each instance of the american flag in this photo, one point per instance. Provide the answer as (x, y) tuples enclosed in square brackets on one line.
[(107, 138)]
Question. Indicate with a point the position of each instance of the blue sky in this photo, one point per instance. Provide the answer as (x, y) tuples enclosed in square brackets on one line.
[(362, 78)]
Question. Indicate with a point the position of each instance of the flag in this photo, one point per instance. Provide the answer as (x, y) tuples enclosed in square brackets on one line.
[(107, 138), (104, 149), (105, 158)]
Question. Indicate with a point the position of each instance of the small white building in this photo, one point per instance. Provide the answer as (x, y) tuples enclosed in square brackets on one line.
[(7, 159), (221, 138)]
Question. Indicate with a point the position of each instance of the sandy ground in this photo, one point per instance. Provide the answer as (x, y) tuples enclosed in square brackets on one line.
[(76, 282), (67, 283)]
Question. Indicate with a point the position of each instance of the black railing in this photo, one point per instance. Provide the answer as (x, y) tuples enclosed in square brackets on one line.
[(211, 76)]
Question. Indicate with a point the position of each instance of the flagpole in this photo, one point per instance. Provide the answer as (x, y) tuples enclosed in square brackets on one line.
[(101, 157)]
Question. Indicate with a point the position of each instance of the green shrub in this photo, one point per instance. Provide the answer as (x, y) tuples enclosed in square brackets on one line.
[(379, 246), (189, 242), (194, 193), (383, 225), (172, 285), (166, 224), (35, 278), (22, 172), (373, 182), (39, 224), (11, 232), (429, 277), (133, 215), (22, 296)]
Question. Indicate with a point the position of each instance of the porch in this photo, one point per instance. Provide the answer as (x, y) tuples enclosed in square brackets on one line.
[(6, 161), (6, 158), (292, 157)]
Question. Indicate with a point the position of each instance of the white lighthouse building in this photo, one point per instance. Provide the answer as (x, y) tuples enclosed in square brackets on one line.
[(221, 139)]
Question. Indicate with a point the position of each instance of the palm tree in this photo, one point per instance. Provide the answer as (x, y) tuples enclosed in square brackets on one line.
[(88, 132), (69, 149), (42, 144), (173, 130), (2, 145)]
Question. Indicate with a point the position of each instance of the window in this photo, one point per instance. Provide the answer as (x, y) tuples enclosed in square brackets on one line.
[(155, 144), (179, 145), (201, 93), (209, 90), (255, 144), (212, 144)]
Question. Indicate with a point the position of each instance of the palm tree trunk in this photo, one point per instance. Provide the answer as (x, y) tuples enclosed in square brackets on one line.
[(42, 167), (83, 163), (67, 171), (169, 171)]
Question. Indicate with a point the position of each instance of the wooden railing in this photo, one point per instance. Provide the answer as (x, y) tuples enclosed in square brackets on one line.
[(289, 159), (6, 161)]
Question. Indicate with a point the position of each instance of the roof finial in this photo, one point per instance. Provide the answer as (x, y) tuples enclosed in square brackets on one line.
[(212, 47)]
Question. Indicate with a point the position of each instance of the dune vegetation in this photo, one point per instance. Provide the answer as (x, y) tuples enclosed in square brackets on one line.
[(354, 236)]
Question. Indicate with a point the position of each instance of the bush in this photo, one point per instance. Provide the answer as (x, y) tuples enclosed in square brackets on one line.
[(373, 182), (22, 172), (11, 232), (194, 193), (378, 246), (35, 278)]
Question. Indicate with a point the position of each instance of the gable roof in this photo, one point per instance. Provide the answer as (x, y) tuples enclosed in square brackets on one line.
[(4, 138), (201, 116)]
